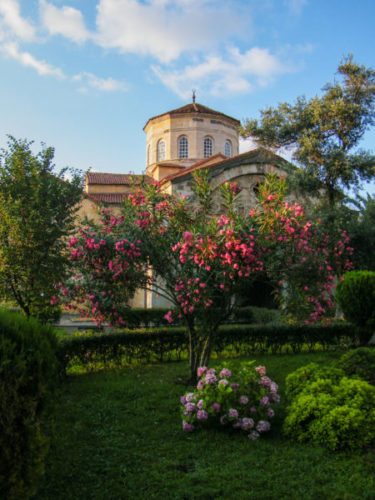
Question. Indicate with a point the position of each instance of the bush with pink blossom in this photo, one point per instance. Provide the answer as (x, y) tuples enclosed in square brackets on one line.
[(243, 400)]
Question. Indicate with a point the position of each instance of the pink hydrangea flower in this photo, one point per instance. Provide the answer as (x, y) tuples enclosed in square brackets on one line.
[(216, 407), (200, 384), (189, 397), (265, 401), (273, 387), (200, 404), (224, 382), (247, 424), (266, 381), (201, 370), (183, 400), (244, 400), (253, 409), (233, 413), (190, 407), (275, 398), (270, 413), (254, 435), (225, 373), (187, 427), (202, 415), (234, 386), (210, 378), (263, 426), (261, 370)]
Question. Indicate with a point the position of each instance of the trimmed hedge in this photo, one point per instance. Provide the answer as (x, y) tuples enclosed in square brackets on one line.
[(160, 344), (138, 317), (28, 369), (359, 362)]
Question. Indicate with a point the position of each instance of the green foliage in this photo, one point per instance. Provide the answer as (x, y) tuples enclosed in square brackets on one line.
[(361, 230), (359, 362), (38, 209), (324, 132), (163, 344), (356, 297), (28, 369), (334, 413), (297, 381)]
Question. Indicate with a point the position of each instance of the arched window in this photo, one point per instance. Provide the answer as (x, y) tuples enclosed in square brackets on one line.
[(183, 147), (160, 151), (228, 149), (207, 147)]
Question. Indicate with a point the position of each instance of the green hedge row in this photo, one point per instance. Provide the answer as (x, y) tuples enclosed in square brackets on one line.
[(160, 344), (28, 370), (138, 317)]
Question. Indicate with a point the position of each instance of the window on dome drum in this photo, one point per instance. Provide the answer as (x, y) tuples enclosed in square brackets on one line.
[(207, 147), (183, 147), (160, 151), (228, 149)]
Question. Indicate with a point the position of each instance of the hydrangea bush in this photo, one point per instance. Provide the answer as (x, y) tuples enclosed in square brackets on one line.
[(243, 400)]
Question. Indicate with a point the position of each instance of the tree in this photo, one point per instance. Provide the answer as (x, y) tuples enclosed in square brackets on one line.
[(37, 209), (199, 261), (361, 229), (324, 133)]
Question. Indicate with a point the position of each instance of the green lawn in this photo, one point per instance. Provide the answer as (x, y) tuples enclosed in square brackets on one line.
[(117, 434)]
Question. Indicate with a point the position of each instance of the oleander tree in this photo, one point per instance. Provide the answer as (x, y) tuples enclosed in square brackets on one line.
[(37, 215), (196, 260)]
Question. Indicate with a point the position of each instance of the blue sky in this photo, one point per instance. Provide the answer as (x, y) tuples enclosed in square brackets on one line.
[(84, 76)]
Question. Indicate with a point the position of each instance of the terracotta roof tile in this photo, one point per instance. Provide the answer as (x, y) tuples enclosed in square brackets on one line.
[(111, 198), (116, 179), (194, 107)]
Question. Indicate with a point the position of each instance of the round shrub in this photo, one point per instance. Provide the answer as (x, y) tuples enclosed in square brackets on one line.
[(297, 380), (337, 414), (359, 362), (242, 400), (356, 297), (28, 368)]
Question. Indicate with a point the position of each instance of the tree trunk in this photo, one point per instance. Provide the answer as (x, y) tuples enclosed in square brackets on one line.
[(199, 350)]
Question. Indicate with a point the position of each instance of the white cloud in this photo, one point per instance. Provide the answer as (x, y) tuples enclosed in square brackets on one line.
[(237, 73), (295, 6), (165, 29), (66, 21), (12, 23), (103, 84), (11, 50)]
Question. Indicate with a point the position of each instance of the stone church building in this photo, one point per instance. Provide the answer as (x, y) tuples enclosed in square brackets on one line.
[(179, 142)]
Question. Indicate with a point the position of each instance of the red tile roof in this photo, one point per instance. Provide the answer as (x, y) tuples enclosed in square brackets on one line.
[(111, 198), (194, 107), (116, 179)]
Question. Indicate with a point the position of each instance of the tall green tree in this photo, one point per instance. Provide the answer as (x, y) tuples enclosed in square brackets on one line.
[(37, 213), (324, 133)]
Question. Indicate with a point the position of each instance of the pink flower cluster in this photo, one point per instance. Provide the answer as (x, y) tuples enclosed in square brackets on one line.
[(246, 400)]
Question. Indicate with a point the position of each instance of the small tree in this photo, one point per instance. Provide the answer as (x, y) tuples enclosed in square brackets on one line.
[(37, 209), (198, 261)]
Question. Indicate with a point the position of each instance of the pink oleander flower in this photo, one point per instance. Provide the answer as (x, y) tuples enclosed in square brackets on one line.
[(244, 400), (234, 386), (223, 382), (265, 401), (168, 317), (225, 373), (200, 404), (254, 435), (261, 370), (202, 415), (216, 407), (270, 413), (187, 427), (201, 370), (233, 413), (263, 426), (247, 424)]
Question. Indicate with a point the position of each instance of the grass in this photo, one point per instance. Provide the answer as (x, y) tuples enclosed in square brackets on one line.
[(117, 435)]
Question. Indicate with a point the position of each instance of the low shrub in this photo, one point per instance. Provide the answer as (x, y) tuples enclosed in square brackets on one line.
[(242, 400), (331, 410), (359, 362), (297, 380), (356, 297), (160, 344), (28, 368)]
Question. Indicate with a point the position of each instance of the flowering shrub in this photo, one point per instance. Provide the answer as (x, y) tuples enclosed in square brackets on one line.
[(244, 400)]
